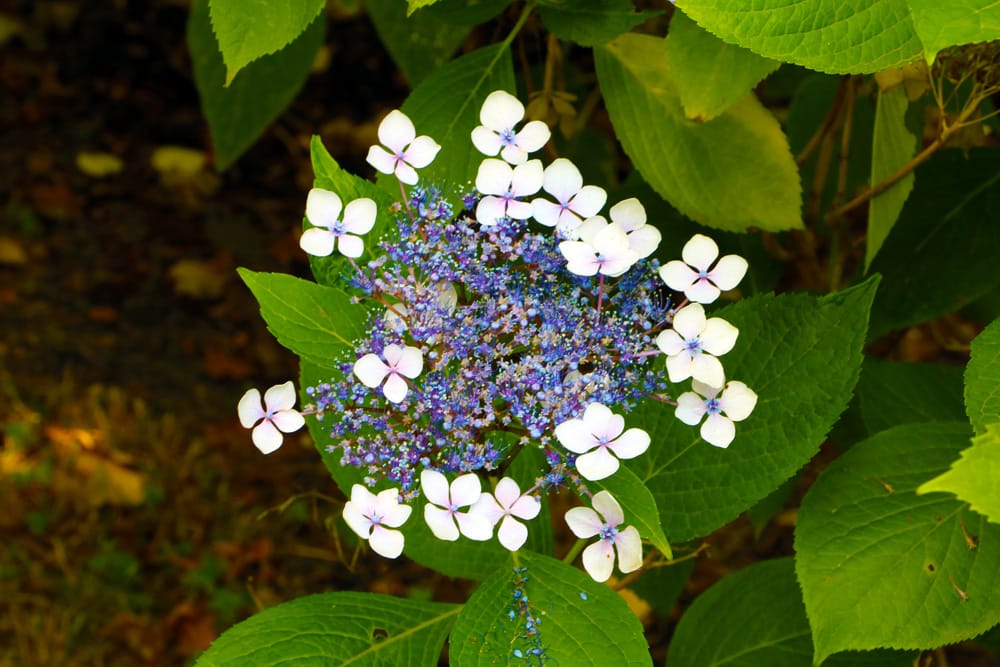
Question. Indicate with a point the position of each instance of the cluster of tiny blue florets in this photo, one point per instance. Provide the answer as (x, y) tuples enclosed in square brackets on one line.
[(513, 345), (529, 640)]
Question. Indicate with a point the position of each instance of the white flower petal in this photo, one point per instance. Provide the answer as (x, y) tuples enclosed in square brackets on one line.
[(519, 210), (629, 550), (545, 212), (511, 154), (490, 210), (370, 370), (465, 490), (533, 136), (249, 408), (288, 421), (597, 416), (706, 390), (493, 177), (583, 522), (381, 159), (411, 361), (488, 507), (737, 401), (396, 131), (690, 408), (728, 273), (512, 534), (323, 207), (630, 444), (434, 486), (700, 252), (679, 367), (406, 174), (589, 200), (486, 141), (645, 240), (596, 465), (441, 523), (718, 431), (393, 512), (501, 111), (422, 151), (280, 397), (507, 492), (385, 542), (527, 178), (580, 258), (576, 436), (526, 507), (562, 180), (474, 526), (599, 560), (628, 214), (614, 265), (706, 368), (690, 321), (395, 388), (719, 336), (677, 275), (608, 507), (589, 229), (702, 291), (318, 242), (266, 437), (355, 516), (351, 246), (359, 216), (670, 342)]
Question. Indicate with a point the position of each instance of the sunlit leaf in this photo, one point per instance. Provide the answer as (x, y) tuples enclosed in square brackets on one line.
[(982, 378), (973, 477)]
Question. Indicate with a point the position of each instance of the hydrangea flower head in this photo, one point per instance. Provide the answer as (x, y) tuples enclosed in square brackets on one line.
[(502, 506), (735, 403), (444, 501), (696, 277), (500, 113), (599, 557), (574, 200), (399, 361), (599, 441), (330, 231), (373, 517), (275, 417), (694, 343), (406, 151)]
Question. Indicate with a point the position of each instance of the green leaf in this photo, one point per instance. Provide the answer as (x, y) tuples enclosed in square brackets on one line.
[(337, 628), (638, 505), (730, 624), (311, 375), (881, 567), (710, 74), (465, 12), (834, 36), (930, 263), (237, 114), (891, 393), (582, 622), (943, 24), (768, 507), (802, 356), (982, 378), (892, 147), (973, 477), (661, 587), (413, 5), (590, 22), (415, 41), (247, 32), (320, 324), (700, 168)]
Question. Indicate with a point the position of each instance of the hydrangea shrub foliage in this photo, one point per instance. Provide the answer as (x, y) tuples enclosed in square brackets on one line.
[(556, 388)]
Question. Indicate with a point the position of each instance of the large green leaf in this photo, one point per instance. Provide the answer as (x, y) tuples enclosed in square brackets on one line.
[(802, 355), (880, 566), (247, 31), (465, 12), (237, 114), (415, 41), (710, 74), (891, 393), (581, 622), (729, 625), (318, 323), (935, 261), (892, 147), (974, 476), (638, 505), (835, 36), (943, 24), (590, 22), (337, 629), (982, 378), (700, 168)]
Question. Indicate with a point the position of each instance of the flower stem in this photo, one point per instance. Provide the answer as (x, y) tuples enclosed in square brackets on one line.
[(574, 551)]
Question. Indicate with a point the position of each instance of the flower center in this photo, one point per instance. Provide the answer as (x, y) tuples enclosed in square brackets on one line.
[(712, 406), (508, 136), (608, 532)]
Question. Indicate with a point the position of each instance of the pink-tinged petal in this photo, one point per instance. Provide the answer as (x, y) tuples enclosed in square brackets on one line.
[(669, 342), (386, 543), (318, 242), (580, 258), (288, 421), (706, 368), (679, 367), (718, 431), (323, 207), (533, 136), (507, 492), (381, 159), (512, 534), (576, 436), (501, 111), (597, 416), (596, 465), (702, 291), (511, 154), (396, 131), (280, 397), (706, 390), (362, 498), (422, 152), (519, 210), (392, 354), (406, 174), (356, 517), (737, 401), (589, 200), (645, 240), (441, 523), (370, 370), (610, 428), (434, 486), (610, 241), (266, 437), (728, 273), (527, 178), (351, 246), (395, 388), (359, 215), (631, 444), (608, 508), (589, 229), (628, 214), (629, 550), (545, 212), (249, 408), (719, 336), (526, 507), (690, 321), (562, 180), (411, 361), (583, 522), (466, 489), (568, 224), (486, 141), (690, 408), (493, 177), (488, 507), (393, 512), (474, 526), (677, 275), (700, 252), (618, 263), (599, 560), (490, 210)]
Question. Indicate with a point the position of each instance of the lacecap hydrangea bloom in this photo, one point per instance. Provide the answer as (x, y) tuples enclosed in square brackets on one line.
[(512, 317)]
